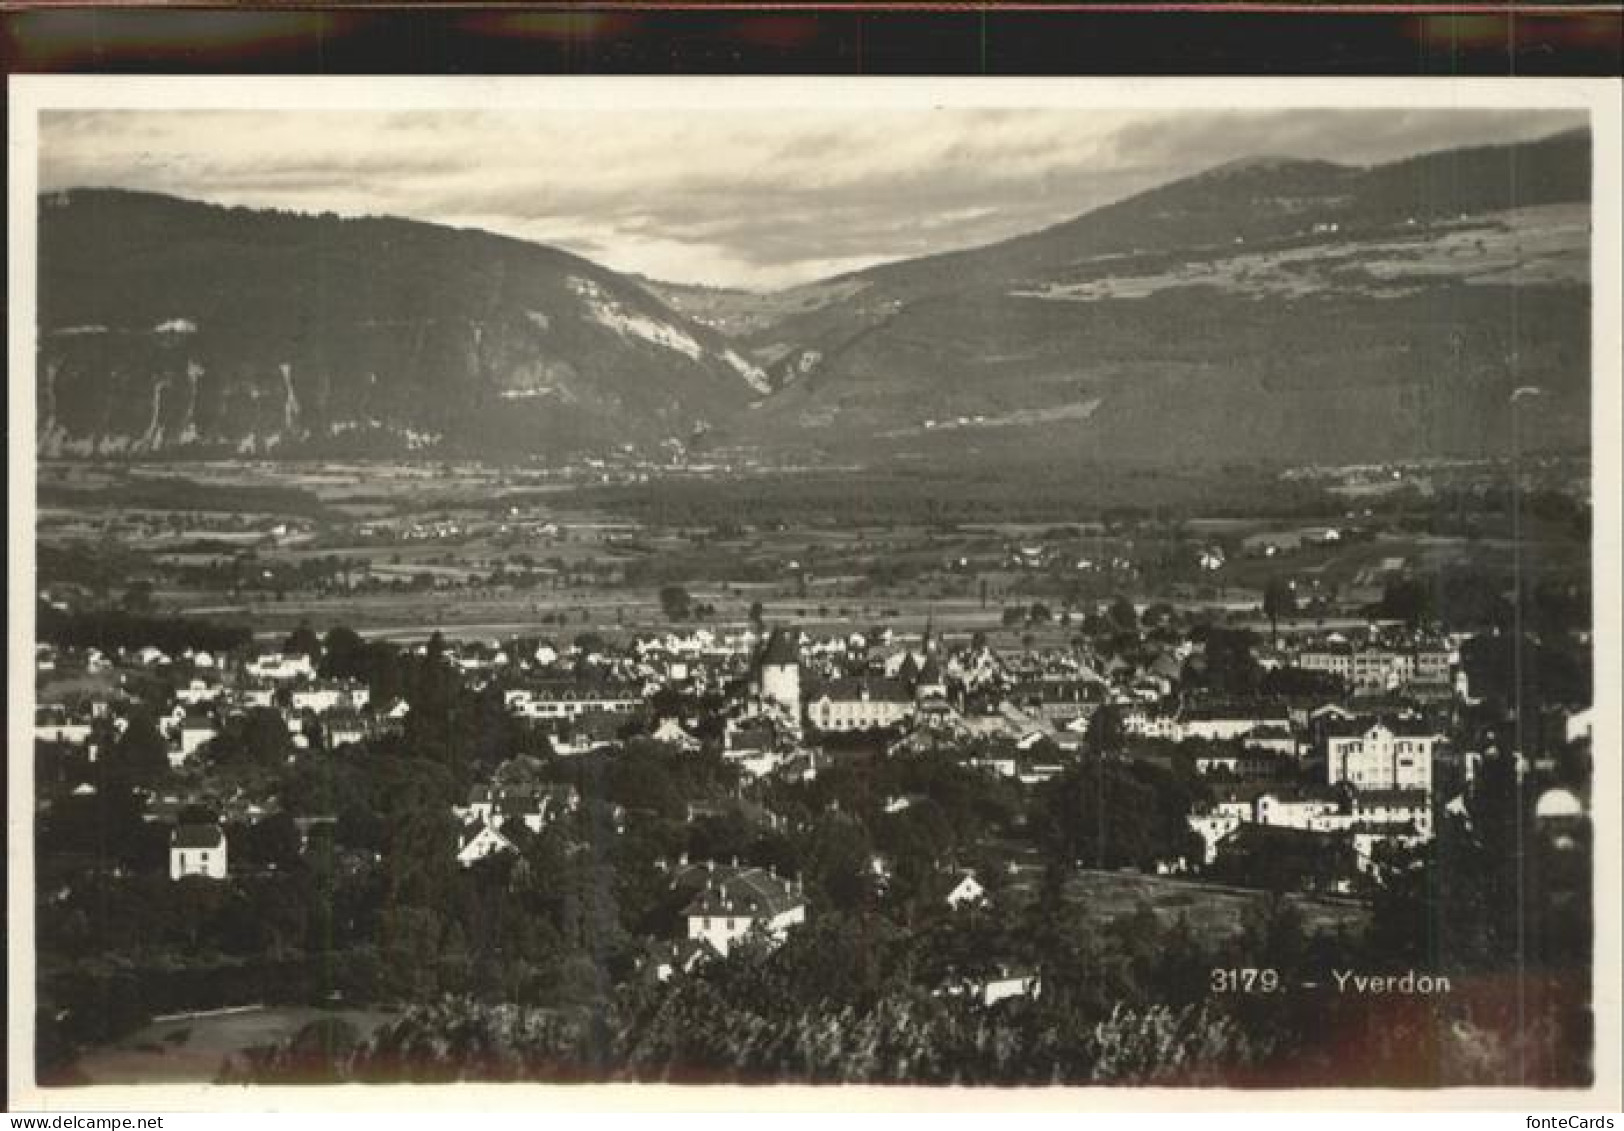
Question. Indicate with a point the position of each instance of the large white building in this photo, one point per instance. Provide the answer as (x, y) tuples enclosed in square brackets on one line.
[(330, 696), (860, 704), (1376, 669), (571, 702), (1227, 726), (1376, 754)]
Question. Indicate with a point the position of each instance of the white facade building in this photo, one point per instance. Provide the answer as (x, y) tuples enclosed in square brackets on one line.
[(860, 704), (479, 841), (197, 850), (280, 667), (967, 891), (1380, 756), (737, 902)]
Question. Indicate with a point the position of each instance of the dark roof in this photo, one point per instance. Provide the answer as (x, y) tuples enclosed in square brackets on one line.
[(750, 733), (748, 892), (523, 800), (1235, 712), (1250, 835), (556, 692), (1401, 728), (1247, 792), (844, 690), (1390, 798), (196, 836), (782, 648)]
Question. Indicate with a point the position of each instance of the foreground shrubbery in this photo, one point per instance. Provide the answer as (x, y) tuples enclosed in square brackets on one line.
[(903, 1039)]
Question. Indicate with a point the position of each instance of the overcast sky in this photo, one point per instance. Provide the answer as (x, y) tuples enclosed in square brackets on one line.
[(735, 198)]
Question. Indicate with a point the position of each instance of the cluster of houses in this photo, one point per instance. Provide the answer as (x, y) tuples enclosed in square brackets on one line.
[(494, 810), (1366, 764), (206, 692), (1358, 766)]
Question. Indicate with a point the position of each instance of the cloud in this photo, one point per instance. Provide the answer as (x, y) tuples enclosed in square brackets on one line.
[(740, 197)]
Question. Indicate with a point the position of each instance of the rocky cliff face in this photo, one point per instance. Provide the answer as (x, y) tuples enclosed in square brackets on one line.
[(1272, 309), (171, 326)]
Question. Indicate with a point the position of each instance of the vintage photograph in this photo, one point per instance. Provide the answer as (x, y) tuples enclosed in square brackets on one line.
[(754, 583)]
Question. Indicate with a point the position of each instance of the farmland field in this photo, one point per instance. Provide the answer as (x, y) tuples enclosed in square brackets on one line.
[(400, 550)]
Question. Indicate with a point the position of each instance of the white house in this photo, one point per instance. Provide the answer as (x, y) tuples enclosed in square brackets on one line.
[(197, 850), (735, 902), (280, 667), (1142, 723), (196, 731), (996, 987), (967, 891), (197, 691), (52, 723), (1008, 985), (324, 697), (671, 733), (1219, 726), (1293, 810), (480, 840), (1212, 828), (535, 805)]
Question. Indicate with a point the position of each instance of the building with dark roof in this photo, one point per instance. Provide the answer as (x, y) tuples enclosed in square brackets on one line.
[(730, 903), (1381, 753), (860, 703), (197, 850)]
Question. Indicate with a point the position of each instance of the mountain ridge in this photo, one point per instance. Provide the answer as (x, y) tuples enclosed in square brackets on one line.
[(1177, 321), (231, 329), (1212, 316)]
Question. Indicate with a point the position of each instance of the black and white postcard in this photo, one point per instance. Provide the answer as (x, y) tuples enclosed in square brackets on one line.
[(767, 582)]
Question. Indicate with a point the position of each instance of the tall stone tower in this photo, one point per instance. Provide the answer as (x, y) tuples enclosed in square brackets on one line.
[(778, 674)]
